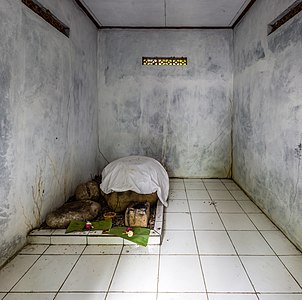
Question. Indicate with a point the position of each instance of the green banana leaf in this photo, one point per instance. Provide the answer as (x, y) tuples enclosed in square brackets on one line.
[(140, 234), (80, 225), (102, 225)]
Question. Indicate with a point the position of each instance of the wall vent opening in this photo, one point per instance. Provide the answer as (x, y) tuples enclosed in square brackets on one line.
[(164, 61), (44, 13), (293, 10)]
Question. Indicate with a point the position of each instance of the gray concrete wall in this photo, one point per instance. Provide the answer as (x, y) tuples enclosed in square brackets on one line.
[(268, 113), (48, 114), (179, 115)]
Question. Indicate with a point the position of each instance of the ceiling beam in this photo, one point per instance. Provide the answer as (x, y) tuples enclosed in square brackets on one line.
[(167, 27), (252, 2), (88, 14)]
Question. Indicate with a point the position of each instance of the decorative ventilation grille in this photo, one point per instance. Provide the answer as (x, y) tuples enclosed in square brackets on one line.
[(285, 16), (164, 61), (44, 13)]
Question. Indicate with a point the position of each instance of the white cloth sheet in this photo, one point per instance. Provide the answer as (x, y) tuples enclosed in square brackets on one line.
[(140, 174)]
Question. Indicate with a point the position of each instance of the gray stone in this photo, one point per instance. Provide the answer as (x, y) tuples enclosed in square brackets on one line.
[(78, 210), (119, 201), (137, 215), (88, 191)]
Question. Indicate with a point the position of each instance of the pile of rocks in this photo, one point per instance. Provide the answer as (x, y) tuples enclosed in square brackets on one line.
[(90, 203), (86, 207)]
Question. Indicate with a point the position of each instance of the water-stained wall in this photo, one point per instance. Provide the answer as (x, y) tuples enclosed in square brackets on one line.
[(179, 115), (48, 114), (268, 114)]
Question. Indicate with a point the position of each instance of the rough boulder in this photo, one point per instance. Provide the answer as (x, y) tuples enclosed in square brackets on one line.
[(85, 210)]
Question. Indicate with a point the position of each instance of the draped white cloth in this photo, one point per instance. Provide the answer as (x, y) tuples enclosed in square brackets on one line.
[(140, 174)]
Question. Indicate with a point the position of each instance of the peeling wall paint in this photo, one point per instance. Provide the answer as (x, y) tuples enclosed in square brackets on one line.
[(268, 113), (48, 115), (179, 115)]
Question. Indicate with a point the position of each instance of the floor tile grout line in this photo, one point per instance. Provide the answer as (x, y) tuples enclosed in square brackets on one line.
[(199, 258), (275, 253), (39, 256), (258, 230), (113, 274), (43, 252), (237, 254), (300, 285), (158, 267), (278, 230), (75, 263), (227, 232), (261, 211)]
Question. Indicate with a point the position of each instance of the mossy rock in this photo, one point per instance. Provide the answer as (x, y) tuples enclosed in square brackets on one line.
[(88, 191), (85, 210), (119, 201)]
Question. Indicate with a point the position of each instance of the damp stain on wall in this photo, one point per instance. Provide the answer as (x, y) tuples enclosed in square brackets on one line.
[(5, 136), (250, 56), (286, 36), (47, 115), (172, 113), (267, 126)]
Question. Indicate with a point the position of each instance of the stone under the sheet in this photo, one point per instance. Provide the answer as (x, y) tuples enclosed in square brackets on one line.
[(119, 201)]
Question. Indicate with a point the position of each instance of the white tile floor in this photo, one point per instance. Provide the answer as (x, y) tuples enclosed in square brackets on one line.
[(217, 245)]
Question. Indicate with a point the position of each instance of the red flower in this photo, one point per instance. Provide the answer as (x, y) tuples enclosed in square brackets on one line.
[(88, 225)]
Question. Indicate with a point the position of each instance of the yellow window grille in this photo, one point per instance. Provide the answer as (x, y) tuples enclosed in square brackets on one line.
[(164, 61)]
